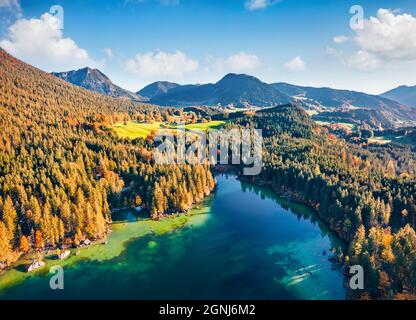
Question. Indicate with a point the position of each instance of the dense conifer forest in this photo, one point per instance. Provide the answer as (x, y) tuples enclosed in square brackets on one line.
[(62, 168), (368, 198)]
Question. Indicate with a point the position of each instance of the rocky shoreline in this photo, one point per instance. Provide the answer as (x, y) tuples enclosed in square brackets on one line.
[(89, 242)]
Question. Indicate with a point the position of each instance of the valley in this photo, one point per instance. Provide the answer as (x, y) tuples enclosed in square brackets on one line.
[(241, 91), (169, 152), (68, 168)]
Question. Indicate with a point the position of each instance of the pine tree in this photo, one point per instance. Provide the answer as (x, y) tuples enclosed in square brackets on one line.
[(6, 253), (39, 242), (24, 245), (10, 220)]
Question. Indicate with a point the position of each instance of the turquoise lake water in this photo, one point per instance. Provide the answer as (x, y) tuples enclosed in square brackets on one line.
[(241, 243)]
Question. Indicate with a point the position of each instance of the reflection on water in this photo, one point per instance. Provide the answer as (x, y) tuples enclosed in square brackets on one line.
[(241, 243)]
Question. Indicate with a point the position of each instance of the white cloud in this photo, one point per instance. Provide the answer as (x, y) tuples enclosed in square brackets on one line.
[(334, 52), (259, 4), (360, 60), (13, 7), (11, 4), (161, 65), (363, 60), (109, 53), (296, 64), (41, 43), (387, 38), (340, 39), (239, 62), (256, 4)]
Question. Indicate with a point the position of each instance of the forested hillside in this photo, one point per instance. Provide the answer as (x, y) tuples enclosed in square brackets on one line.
[(351, 106), (62, 168), (369, 202)]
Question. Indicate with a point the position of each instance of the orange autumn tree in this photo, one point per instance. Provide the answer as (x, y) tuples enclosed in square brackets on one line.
[(39, 242), (24, 245)]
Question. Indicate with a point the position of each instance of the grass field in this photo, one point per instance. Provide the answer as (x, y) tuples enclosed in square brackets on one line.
[(135, 130), (398, 139), (311, 112), (203, 126), (379, 140), (346, 125)]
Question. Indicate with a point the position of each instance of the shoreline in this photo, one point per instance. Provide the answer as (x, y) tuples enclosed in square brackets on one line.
[(294, 196), (138, 228), (150, 239), (48, 252), (123, 232), (168, 223)]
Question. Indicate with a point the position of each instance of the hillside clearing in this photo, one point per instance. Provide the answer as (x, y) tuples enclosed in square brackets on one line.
[(134, 130)]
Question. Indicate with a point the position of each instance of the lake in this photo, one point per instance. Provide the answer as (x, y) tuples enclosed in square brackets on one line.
[(242, 242)]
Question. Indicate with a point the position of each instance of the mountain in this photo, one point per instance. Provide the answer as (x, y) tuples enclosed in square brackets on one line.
[(244, 90), (357, 106), (236, 89), (40, 88), (334, 98), (157, 88), (95, 80), (402, 94)]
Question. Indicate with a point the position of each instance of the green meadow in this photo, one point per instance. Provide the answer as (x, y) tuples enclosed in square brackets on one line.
[(135, 130)]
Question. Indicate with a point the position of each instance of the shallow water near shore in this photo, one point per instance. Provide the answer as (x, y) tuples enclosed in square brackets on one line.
[(240, 243)]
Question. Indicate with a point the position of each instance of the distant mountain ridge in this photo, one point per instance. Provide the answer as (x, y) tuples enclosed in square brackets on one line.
[(243, 90), (335, 98), (351, 105), (95, 80), (402, 94), (235, 89)]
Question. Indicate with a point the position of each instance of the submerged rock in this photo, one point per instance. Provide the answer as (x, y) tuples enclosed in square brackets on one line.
[(152, 244), (84, 243), (35, 265), (64, 254)]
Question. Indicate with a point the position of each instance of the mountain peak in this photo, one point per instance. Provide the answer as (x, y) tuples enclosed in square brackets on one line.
[(83, 74), (235, 89), (238, 77), (157, 88), (403, 94), (95, 80), (90, 70), (233, 75)]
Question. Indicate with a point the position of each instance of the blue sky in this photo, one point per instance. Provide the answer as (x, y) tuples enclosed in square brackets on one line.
[(136, 42)]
